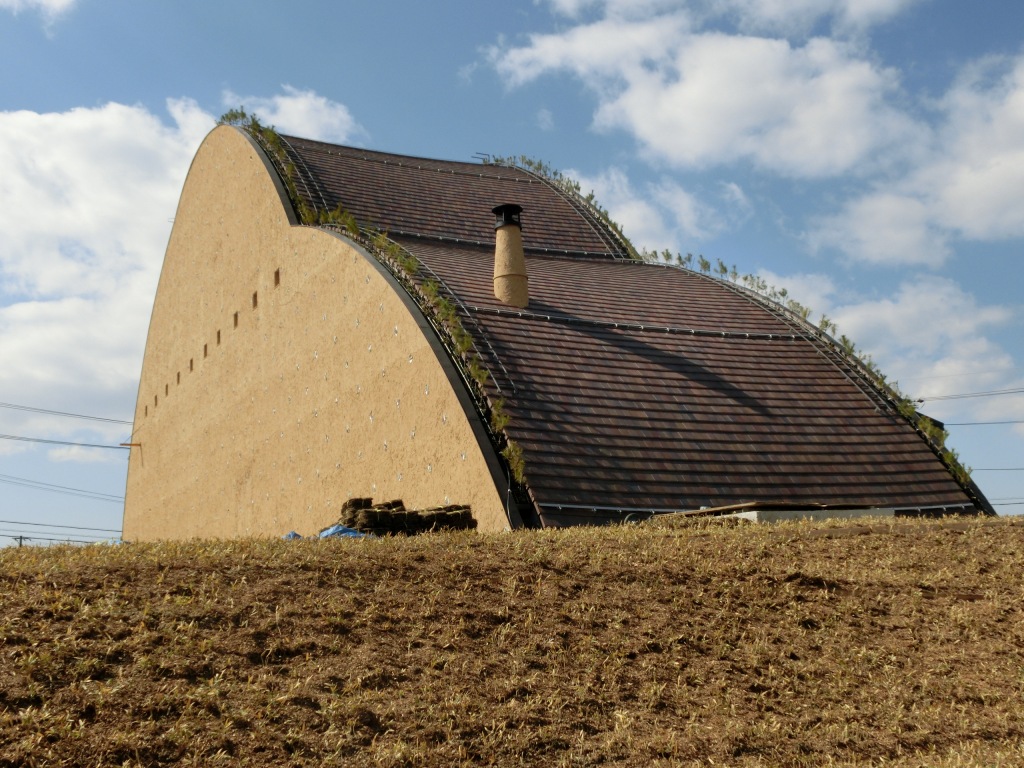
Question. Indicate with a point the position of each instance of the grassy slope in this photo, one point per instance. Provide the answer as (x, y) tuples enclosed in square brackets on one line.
[(787, 645)]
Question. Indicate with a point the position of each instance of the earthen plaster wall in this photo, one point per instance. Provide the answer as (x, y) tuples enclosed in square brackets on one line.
[(285, 373)]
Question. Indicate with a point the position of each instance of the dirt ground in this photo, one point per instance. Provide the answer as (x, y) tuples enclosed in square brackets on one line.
[(799, 644)]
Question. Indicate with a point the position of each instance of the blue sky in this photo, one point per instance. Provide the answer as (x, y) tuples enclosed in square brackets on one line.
[(868, 155)]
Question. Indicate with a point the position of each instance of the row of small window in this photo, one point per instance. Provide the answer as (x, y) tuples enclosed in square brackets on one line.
[(206, 348)]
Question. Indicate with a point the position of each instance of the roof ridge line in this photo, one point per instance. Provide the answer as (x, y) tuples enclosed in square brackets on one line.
[(529, 249), (420, 163), (646, 328)]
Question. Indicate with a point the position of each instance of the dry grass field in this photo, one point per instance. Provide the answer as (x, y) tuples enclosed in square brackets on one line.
[(889, 643)]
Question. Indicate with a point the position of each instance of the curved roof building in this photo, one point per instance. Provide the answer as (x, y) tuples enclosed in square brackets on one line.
[(290, 366)]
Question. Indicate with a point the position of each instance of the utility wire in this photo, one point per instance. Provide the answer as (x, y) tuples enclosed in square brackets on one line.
[(990, 393), (997, 469), (953, 375), (53, 525), (62, 442), (61, 413), (19, 538), (40, 486), (30, 534), (977, 423)]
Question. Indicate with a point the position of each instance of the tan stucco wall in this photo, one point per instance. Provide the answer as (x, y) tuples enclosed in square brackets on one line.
[(511, 284), (326, 389)]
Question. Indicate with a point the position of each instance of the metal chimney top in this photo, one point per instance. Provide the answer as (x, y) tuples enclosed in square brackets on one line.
[(507, 213)]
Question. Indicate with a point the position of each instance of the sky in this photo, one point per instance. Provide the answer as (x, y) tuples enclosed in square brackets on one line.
[(867, 155)]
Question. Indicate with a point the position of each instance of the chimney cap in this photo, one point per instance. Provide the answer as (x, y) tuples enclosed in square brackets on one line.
[(507, 213)]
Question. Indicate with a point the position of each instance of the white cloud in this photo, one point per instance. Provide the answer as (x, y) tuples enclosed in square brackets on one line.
[(662, 214), (82, 455), (545, 120), (644, 222), (883, 228), (810, 111), (929, 336), (693, 219), (814, 291), (602, 49), (791, 17), (702, 98), (926, 335), (799, 16), (617, 8), (571, 8), (928, 316), (301, 113), (966, 183), (88, 197), (978, 172), (86, 191), (50, 8), (708, 83)]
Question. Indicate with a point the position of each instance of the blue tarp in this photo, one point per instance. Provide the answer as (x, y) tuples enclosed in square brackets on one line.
[(291, 535), (341, 530)]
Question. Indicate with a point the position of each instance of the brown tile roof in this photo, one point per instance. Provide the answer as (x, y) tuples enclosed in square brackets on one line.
[(630, 385), (440, 198)]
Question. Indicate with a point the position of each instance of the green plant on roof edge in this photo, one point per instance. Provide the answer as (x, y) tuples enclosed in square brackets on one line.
[(570, 187)]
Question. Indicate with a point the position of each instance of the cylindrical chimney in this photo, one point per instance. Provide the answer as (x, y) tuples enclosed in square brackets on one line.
[(510, 281)]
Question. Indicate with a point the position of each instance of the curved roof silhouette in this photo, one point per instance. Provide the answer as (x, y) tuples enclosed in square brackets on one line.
[(632, 386)]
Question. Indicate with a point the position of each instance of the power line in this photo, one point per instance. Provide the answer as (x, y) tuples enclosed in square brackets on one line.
[(977, 423), (61, 413), (20, 539), (40, 486), (990, 393), (997, 469), (30, 534), (62, 442), (954, 375), (53, 525)]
